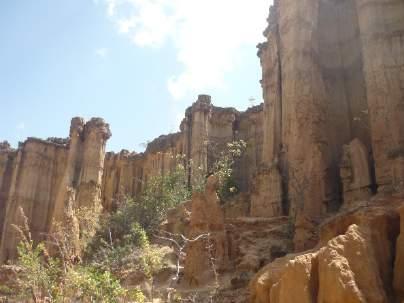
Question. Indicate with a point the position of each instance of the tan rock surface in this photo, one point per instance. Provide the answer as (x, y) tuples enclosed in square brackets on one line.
[(355, 173), (329, 134), (43, 173), (332, 76), (352, 263), (262, 283), (348, 269), (207, 217), (255, 242), (266, 194), (300, 274), (205, 130)]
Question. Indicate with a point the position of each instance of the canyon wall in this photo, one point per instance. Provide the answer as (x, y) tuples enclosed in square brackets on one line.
[(324, 162), (333, 115), (358, 259), (38, 176), (205, 131), (45, 177)]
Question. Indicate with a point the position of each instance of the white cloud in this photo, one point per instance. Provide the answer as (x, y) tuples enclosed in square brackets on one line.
[(207, 34), (102, 52)]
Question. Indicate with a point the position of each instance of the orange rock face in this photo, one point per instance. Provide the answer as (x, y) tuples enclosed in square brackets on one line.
[(207, 218), (333, 111), (205, 130), (324, 164), (352, 263), (39, 175)]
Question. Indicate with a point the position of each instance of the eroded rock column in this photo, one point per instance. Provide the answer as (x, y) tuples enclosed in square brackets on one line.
[(269, 53), (96, 134), (73, 165), (7, 163), (267, 194), (195, 128), (355, 173), (304, 108), (37, 173), (382, 33)]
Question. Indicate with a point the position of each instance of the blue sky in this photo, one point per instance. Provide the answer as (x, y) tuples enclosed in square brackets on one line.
[(136, 63)]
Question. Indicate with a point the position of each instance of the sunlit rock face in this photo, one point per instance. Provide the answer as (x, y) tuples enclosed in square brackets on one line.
[(353, 262), (204, 133), (42, 175), (333, 77), (324, 165), (39, 174)]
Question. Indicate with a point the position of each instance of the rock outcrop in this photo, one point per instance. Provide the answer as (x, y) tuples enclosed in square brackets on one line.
[(332, 77), (352, 263), (355, 173), (205, 130), (39, 175), (206, 257), (226, 245), (266, 194), (324, 165)]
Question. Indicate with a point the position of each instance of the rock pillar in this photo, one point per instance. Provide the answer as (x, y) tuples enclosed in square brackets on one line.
[(95, 135), (381, 26)]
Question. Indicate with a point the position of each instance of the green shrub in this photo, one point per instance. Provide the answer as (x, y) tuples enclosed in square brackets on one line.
[(36, 278), (88, 284), (41, 278), (224, 168)]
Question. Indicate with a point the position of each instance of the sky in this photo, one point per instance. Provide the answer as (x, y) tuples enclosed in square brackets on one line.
[(136, 63)]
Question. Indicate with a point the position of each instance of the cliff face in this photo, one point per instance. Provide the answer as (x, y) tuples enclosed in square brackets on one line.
[(332, 77), (355, 261), (44, 176), (325, 152), (39, 174), (204, 133), (333, 87)]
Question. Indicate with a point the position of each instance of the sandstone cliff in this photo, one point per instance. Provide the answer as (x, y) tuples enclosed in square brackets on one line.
[(355, 261), (205, 130), (332, 77), (40, 173), (324, 165)]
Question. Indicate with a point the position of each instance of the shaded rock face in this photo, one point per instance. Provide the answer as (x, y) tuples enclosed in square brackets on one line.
[(355, 261), (355, 173), (399, 262), (332, 77), (39, 176)]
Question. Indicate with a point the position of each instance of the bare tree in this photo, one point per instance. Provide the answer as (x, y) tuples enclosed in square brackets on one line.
[(180, 244)]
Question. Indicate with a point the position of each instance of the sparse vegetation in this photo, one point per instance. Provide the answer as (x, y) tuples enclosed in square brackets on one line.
[(42, 278), (114, 245), (224, 168)]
